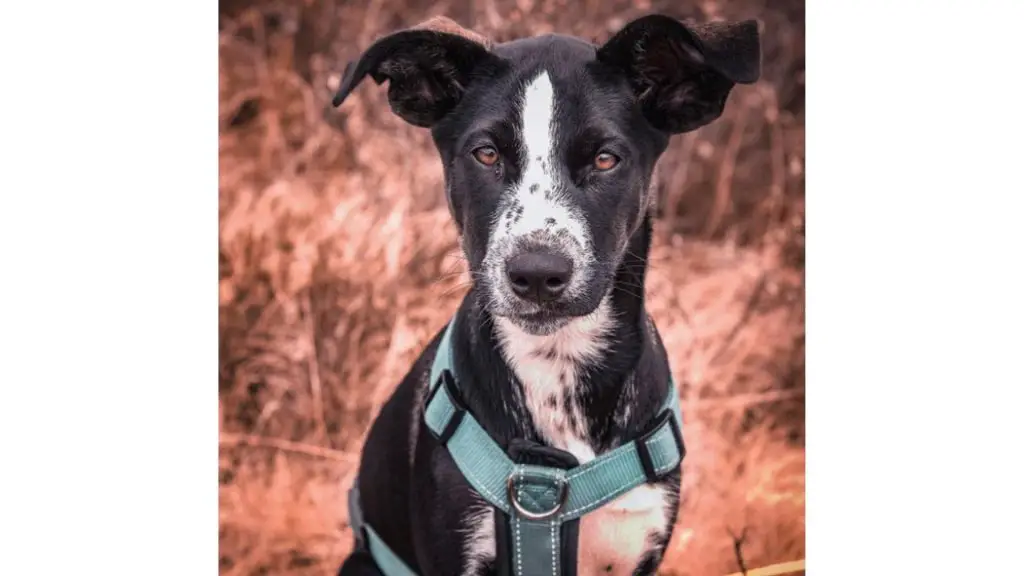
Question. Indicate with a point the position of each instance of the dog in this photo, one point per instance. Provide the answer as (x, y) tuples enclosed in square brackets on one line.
[(548, 147)]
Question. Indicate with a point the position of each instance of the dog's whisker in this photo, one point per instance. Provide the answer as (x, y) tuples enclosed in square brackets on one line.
[(448, 275), (455, 288), (625, 289)]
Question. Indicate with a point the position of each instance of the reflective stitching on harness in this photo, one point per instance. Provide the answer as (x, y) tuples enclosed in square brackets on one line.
[(608, 497), (616, 493), (591, 506), (618, 457), (615, 458), (519, 549), (474, 480), (554, 551)]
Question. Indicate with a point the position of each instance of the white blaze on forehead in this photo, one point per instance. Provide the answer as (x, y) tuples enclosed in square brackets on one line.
[(538, 202), (538, 120)]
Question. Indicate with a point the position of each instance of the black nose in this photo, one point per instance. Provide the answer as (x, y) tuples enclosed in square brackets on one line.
[(539, 276)]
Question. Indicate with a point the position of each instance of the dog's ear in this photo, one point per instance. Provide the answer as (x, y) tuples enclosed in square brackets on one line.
[(682, 74), (428, 68)]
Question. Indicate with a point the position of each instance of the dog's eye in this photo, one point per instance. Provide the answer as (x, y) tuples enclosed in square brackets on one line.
[(486, 155), (605, 161)]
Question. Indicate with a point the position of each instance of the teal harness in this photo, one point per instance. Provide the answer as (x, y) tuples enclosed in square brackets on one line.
[(537, 502)]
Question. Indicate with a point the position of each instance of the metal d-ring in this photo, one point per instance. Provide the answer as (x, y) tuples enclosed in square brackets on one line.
[(563, 496)]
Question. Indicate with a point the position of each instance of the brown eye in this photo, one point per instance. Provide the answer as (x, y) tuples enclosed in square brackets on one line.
[(486, 155), (605, 161)]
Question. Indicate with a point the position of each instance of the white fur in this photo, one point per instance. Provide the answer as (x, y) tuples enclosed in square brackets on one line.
[(618, 534), (545, 378), (480, 545)]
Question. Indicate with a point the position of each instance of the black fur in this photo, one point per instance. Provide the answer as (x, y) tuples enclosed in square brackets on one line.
[(655, 78)]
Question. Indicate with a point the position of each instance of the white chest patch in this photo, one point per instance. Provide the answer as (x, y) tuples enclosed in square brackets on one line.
[(614, 538), (547, 367)]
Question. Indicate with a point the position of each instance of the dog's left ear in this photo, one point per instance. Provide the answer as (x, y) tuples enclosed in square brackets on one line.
[(428, 68), (682, 74)]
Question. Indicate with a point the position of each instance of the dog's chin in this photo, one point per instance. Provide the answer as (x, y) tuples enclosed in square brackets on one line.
[(539, 324), (544, 320), (547, 318)]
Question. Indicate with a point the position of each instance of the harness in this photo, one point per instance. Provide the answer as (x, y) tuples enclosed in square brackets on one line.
[(537, 507)]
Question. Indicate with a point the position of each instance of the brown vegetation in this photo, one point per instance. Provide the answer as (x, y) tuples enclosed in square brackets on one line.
[(338, 262)]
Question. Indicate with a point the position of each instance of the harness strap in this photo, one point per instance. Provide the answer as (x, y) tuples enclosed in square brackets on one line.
[(537, 546), (388, 562), (489, 470)]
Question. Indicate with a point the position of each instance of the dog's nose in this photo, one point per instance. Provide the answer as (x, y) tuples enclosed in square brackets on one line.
[(539, 276)]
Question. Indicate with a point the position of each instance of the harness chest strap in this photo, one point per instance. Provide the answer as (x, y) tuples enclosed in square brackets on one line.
[(538, 500)]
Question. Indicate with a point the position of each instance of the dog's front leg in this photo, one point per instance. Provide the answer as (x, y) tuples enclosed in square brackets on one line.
[(452, 526)]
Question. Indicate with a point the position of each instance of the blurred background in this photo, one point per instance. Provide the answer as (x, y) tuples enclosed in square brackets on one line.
[(338, 263)]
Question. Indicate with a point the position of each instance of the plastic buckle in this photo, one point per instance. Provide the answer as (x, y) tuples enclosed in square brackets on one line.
[(447, 381), (646, 462)]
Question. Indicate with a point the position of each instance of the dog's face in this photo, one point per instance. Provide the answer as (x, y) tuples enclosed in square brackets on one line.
[(549, 143)]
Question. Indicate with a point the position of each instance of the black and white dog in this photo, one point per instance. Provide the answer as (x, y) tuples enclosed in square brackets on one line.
[(548, 146)]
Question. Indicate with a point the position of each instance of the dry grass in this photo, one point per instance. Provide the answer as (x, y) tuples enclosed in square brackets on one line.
[(338, 261)]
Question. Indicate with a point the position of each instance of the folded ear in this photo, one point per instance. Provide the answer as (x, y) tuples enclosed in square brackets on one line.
[(682, 74), (428, 68)]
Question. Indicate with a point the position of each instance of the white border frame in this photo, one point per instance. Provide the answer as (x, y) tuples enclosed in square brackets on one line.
[(108, 298)]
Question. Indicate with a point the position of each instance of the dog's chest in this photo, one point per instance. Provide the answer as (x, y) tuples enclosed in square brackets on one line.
[(548, 375), (613, 538)]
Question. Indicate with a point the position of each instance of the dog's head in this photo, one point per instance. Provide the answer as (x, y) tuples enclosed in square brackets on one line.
[(549, 143)]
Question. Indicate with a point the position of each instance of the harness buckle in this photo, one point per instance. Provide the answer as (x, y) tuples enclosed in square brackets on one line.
[(642, 451), (559, 484), (447, 382)]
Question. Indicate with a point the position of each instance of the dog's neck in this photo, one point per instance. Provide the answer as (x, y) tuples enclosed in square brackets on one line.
[(575, 389)]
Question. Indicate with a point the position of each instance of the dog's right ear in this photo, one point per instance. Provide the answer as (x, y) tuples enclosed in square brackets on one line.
[(682, 73), (428, 68)]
